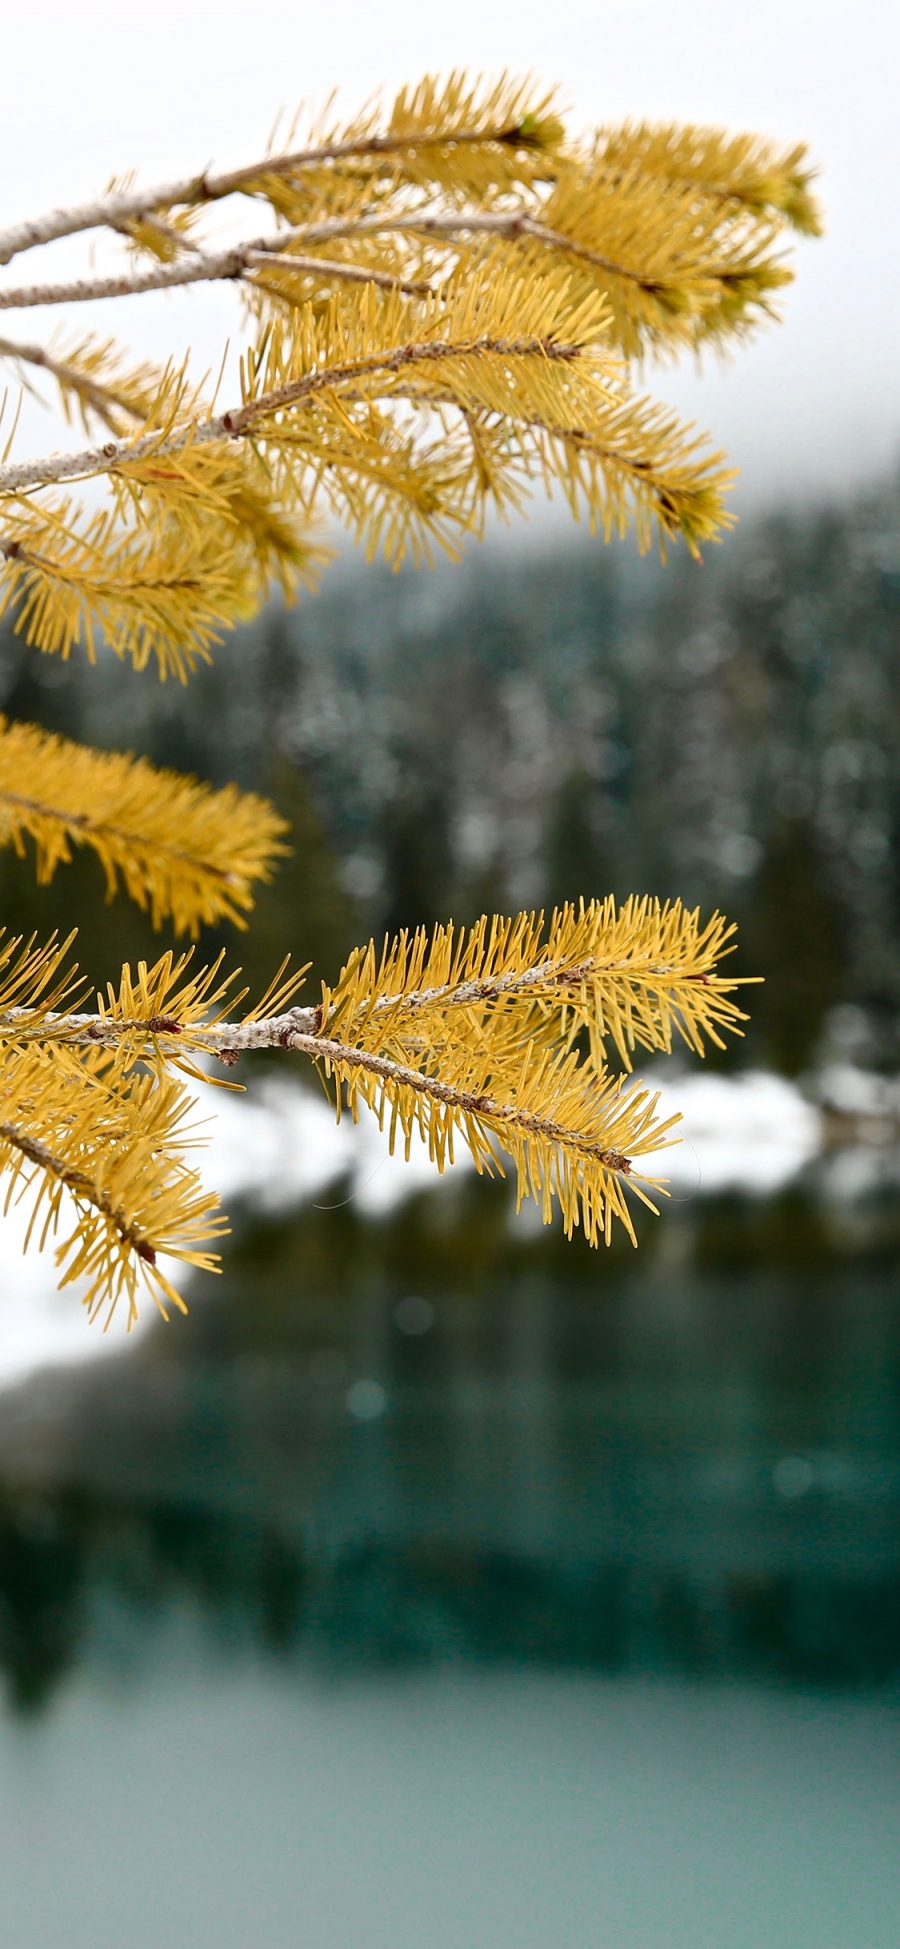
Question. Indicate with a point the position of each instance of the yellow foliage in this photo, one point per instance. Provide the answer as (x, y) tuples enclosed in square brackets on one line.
[(639, 975), (571, 1132), (744, 171), (469, 1036), (183, 851), (96, 383), (443, 317), (102, 1158), (151, 592), (460, 136)]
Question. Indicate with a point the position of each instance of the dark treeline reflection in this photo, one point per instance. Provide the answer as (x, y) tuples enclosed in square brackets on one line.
[(429, 1441), (526, 727)]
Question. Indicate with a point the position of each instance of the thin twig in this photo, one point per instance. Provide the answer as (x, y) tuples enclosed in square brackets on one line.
[(328, 267), (513, 223), (575, 436), (343, 1056), (92, 391), (203, 267)]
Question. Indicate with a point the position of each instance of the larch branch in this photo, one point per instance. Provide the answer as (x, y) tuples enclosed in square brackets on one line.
[(230, 1039), (459, 223), (84, 825), (20, 476), (343, 1056), (276, 1031)]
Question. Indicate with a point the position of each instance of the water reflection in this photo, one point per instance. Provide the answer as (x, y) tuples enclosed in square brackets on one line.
[(426, 1443)]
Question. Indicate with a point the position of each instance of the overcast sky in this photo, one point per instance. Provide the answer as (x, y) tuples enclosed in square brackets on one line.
[(102, 87)]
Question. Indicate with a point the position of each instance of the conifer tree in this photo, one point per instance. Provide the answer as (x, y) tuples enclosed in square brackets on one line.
[(443, 304)]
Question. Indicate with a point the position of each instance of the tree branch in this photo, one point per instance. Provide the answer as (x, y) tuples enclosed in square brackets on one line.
[(21, 476), (118, 208), (342, 1055), (275, 1032), (204, 267), (85, 825), (230, 1040)]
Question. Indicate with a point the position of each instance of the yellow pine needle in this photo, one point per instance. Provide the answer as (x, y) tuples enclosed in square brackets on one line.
[(282, 990), (157, 1011), (192, 1000), (102, 1157), (639, 975), (226, 500), (637, 463), (675, 268), (167, 1010), (161, 234), (35, 980), (182, 850), (96, 384), (570, 1130), (744, 170), (151, 594), (530, 405), (459, 134)]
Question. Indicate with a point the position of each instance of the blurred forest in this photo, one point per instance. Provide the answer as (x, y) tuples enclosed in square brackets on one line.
[(682, 1460), (548, 719)]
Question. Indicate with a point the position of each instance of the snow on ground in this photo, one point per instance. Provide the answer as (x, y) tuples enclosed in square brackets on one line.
[(281, 1145), (751, 1133)]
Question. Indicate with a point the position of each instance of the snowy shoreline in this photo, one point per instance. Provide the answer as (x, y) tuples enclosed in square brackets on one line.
[(280, 1145)]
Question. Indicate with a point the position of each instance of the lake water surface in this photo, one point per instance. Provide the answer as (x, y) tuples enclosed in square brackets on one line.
[(437, 1583)]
